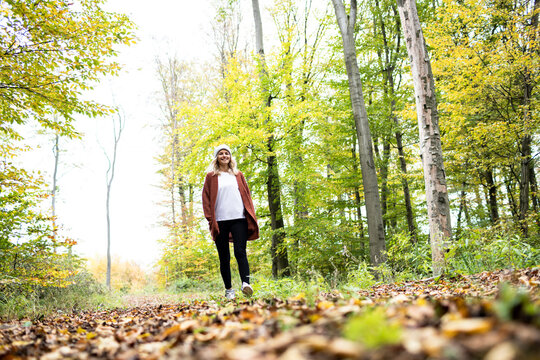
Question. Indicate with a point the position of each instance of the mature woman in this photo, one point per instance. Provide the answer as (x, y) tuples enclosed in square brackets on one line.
[(228, 207)]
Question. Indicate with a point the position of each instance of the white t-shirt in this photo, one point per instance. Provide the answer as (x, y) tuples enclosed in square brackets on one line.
[(229, 205)]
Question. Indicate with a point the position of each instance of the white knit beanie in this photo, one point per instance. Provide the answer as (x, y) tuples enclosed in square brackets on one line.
[(221, 147)]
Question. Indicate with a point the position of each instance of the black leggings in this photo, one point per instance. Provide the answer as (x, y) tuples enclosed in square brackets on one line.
[(238, 229)]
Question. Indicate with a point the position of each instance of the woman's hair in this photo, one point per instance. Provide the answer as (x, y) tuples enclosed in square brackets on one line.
[(214, 167)]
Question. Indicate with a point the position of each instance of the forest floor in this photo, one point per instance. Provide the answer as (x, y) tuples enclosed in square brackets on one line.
[(465, 317)]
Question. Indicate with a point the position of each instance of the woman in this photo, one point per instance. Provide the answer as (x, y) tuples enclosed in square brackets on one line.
[(228, 207)]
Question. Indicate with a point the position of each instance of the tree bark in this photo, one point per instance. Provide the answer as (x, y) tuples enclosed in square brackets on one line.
[(377, 246), (514, 209), (492, 196), (524, 183), (462, 209), (280, 262), (430, 141), (357, 194)]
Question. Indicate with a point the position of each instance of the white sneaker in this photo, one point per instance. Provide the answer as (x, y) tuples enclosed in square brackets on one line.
[(229, 294), (247, 289)]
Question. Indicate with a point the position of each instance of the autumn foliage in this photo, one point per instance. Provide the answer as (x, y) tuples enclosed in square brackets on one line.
[(491, 315), (125, 275)]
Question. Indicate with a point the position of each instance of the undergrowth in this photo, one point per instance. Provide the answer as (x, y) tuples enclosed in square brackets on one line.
[(84, 294)]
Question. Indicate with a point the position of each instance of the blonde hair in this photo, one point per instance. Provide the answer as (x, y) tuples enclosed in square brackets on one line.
[(214, 167)]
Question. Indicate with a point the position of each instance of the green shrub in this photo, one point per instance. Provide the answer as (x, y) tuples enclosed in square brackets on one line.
[(182, 284), (373, 329), (478, 251), (406, 259), (360, 278), (84, 293)]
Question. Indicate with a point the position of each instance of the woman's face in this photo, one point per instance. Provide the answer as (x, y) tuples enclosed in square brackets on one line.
[(224, 158)]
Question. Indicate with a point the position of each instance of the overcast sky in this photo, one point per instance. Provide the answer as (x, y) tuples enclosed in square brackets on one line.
[(163, 27)]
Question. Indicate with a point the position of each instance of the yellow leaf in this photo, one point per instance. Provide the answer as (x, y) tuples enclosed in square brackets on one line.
[(323, 305), (301, 296), (467, 326)]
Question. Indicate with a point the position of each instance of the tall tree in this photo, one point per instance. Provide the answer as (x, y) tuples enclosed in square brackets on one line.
[(170, 73), (118, 126), (377, 246), (528, 83), (280, 261), (437, 201)]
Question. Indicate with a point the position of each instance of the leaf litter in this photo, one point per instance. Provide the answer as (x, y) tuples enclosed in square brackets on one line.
[(492, 315)]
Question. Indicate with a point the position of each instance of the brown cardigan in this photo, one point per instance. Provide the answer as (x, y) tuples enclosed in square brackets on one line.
[(209, 195)]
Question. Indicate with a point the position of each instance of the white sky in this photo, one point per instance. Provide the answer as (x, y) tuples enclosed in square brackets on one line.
[(163, 26)]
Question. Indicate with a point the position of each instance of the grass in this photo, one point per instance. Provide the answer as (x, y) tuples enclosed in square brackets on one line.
[(35, 303)]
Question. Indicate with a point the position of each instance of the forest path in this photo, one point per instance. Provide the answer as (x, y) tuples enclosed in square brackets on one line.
[(467, 317)]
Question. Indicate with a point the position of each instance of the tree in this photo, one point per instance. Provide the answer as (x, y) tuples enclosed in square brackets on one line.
[(389, 57), (346, 24), (280, 262), (52, 50), (56, 152), (118, 126), (430, 140)]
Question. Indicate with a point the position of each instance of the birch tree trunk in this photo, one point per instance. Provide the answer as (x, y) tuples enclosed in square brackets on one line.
[(280, 261), (430, 141), (377, 246)]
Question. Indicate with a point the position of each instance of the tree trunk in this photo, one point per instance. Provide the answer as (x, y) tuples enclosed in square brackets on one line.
[(117, 132), (190, 201), (511, 199), (430, 141), (462, 209), (377, 246), (405, 184), (526, 140), (183, 203), (280, 262), (357, 194), (524, 183), (534, 193), (403, 166), (492, 196)]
